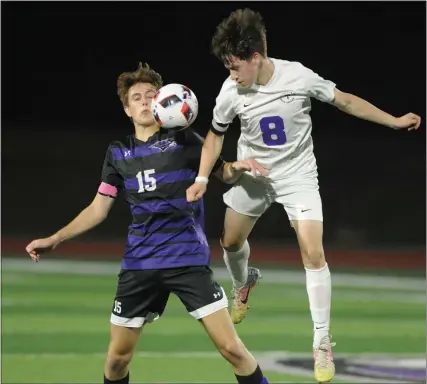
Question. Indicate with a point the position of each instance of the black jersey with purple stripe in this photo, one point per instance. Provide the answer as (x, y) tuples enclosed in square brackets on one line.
[(166, 230)]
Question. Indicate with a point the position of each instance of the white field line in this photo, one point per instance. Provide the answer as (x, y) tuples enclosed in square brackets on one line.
[(367, 297), (268, 360), (203, 354), (270, 276)]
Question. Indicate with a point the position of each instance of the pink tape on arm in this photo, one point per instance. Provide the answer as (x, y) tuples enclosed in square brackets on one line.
[(107, 189)]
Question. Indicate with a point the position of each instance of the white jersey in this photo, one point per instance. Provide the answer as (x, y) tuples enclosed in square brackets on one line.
[(275, 121)]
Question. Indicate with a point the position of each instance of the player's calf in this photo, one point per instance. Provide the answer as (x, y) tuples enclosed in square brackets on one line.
[(238, 356), (245, 367), (120, 352), (237, 228), (220, 329)]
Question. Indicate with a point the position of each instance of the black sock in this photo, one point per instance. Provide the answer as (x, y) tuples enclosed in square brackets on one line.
[(256, 377), (125, 380)]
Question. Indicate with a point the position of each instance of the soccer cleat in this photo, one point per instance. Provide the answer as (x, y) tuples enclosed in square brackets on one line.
[(324, 367), (240, 296)]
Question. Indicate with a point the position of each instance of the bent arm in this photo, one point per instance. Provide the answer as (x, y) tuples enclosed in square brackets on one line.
[(356, 106), (223, 115), (211, 150), (221, 169), (89, 218)]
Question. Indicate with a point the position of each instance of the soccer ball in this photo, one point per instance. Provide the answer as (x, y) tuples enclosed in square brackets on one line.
[(175, 107)]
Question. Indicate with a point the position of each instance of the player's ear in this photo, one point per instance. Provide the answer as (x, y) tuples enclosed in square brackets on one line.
[(253, 61), (256, 58), (127, 111)]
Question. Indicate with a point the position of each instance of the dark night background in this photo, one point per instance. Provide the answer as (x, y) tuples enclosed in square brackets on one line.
[(60, 62)]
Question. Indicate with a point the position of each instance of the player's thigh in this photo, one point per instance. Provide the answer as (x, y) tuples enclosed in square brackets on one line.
[(310, 239), (197, 290), (303, 206), (237, 228), (248, 197), (301, 201), (140, 298), (309, 234)]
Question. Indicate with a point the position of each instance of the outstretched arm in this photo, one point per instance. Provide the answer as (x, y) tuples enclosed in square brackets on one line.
[(326, 91), (362, 109), (90, 217)]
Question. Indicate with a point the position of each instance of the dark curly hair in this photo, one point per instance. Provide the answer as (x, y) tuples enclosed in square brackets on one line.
[(241, 35)]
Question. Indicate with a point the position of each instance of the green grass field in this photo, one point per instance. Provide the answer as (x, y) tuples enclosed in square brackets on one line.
[(55, 324)]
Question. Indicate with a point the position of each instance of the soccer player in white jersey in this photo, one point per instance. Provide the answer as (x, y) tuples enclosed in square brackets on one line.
[(272, 99)]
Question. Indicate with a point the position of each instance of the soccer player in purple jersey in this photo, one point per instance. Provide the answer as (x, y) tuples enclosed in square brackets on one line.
[(166, 250)]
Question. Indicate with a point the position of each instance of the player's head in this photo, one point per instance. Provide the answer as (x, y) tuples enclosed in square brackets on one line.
[(240, 43), (136, 91)]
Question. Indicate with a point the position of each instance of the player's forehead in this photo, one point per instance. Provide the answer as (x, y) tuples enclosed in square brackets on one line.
[(142, 89), (233, 62)]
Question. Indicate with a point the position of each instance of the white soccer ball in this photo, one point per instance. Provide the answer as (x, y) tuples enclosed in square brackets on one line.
[(175, 107)]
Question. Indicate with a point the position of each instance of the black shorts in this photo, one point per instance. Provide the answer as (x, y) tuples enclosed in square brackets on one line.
[(142, 295)]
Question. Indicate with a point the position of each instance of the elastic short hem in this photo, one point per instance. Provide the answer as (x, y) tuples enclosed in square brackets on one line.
[(135, 322), (240, 212), (305, 219), (211, 308)]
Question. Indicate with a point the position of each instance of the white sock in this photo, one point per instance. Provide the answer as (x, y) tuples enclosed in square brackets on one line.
[(237, 265), (318, 282)]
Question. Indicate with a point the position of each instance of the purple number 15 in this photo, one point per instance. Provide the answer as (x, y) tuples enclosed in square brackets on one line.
[(273, 130)]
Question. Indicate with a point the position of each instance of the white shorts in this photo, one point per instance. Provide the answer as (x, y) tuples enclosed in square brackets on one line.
[(252, 197)]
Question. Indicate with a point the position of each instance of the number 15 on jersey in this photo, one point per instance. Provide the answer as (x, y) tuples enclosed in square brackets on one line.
[(273, 130)]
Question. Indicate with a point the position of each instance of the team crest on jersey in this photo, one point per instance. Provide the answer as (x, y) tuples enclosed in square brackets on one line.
[(162, 145)]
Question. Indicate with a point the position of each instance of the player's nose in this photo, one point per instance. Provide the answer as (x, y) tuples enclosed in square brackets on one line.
[(234, 76)]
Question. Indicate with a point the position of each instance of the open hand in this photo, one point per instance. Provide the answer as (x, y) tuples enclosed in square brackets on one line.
[(250, 165)]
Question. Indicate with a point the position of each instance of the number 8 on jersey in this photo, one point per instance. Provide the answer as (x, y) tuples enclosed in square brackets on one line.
[(273, 130)]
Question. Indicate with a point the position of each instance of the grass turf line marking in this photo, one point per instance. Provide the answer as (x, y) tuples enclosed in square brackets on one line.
[(106, 268)]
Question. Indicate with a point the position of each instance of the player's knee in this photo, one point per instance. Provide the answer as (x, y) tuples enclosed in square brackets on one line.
[(118, 362), (231, 243), (118, 357), (313, 258)]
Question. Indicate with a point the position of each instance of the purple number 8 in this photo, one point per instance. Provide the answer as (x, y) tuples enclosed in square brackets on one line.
[(273, 130)]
